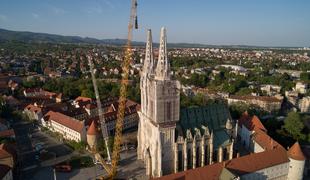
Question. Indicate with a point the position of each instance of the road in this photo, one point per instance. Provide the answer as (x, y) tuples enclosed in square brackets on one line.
[(77, 174), (27, 135), (129, 167)]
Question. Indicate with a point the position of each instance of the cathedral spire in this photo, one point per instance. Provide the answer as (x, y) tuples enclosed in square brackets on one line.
[(148, 66), (163, 66)]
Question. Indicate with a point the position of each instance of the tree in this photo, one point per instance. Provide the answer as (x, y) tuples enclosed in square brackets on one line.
[(293, 125), (88, 93), (305, 76)]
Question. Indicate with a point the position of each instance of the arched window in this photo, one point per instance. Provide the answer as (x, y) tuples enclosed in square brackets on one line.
[(198, 161), (168, 111), (206, 156), (180, 161), (189, 159)]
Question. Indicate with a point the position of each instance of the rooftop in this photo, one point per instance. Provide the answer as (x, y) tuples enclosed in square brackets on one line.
[(295, 152), (235, 167), (67, 121), (92, 130), (212, 116), (4, 169)]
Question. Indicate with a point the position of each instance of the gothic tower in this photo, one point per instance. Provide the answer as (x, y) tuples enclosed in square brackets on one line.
[(160, 109)]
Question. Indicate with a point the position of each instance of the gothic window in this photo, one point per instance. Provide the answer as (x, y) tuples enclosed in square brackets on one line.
[(215, 154), (189, 159), (180, 161), (198, 157), (168, 111), (225, 154), (207, 151)]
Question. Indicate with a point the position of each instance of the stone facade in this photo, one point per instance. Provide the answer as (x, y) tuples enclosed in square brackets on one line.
[(168, 143), (159, 111)]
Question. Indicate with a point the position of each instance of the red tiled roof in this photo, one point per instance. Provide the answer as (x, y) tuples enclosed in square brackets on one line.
[(91, 106), (83, 99), (64, 120), (251, 123), (257, 161), (4, 169), (7, 133), (295, 152), (33, 108), (265, 141), (260, 98), (242, 165), (210, 172), (32, 90), (7, 150), (92, 130), (4, 154)]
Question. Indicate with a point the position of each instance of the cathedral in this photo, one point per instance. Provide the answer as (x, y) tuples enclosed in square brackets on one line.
[(171, 139)]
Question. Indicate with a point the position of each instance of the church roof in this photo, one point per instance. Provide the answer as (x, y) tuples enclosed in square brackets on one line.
[(92, 129), (295, 152), (213, 116), (231, 168)]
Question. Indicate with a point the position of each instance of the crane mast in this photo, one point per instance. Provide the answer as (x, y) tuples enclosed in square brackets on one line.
[(123, 90), (104, 130), (111, 170)]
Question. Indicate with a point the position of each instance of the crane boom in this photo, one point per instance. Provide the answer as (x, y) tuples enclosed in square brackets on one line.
[(123, 89), (99, 106)]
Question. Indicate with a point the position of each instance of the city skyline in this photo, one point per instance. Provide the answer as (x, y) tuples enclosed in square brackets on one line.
[(263, 23)]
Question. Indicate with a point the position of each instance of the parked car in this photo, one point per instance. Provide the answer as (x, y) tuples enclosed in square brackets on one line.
[(63, 168)]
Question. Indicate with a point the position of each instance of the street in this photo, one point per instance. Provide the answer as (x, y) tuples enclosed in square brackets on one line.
[(27, 136), (129, 167)]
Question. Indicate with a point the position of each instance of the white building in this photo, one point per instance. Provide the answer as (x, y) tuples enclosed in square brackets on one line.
[(301, 87), (269, 160), (270, 89), (70, 128), (297, 162), (33, 112), (304, 104), (268, 103)]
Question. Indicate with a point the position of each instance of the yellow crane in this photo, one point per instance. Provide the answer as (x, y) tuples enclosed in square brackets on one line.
[(111, 170), (123, 90)]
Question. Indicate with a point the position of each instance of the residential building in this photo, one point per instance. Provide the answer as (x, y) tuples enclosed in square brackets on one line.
[(271, 90), (301, 87), (33, 112), (304, 104), (70, 128), (267, 103), (269, 161)]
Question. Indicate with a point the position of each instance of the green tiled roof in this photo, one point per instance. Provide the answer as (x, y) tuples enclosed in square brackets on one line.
[(213, 116)]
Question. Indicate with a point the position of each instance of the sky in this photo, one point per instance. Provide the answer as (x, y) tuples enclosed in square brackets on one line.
[(213, 22)]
